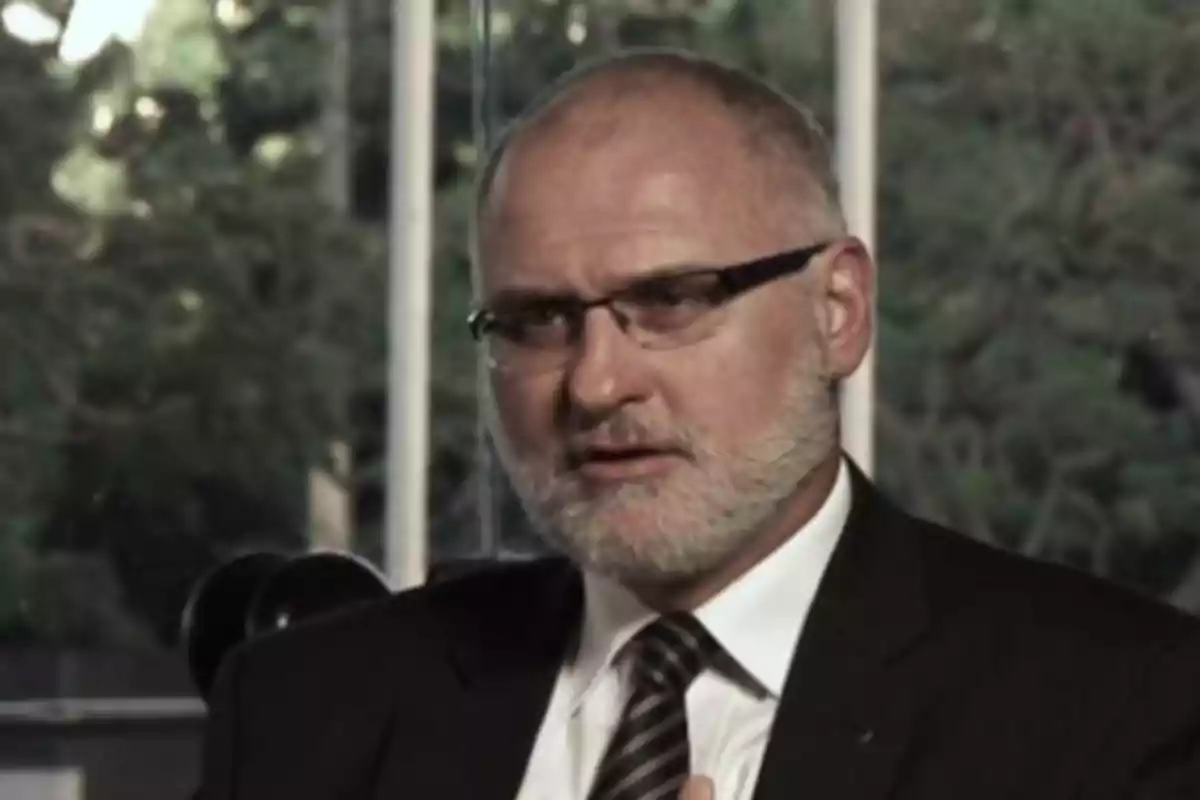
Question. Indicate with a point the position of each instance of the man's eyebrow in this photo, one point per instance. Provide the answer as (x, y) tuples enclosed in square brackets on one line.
[(524, 295), (519, 295), (668, 271)]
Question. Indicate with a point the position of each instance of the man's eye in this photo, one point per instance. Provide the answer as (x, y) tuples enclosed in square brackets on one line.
[(543, 315), (532, 323), (679, 292), (671, 305), (668, 296)]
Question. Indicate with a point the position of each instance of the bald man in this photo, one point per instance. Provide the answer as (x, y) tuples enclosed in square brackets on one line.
[(667, 302)]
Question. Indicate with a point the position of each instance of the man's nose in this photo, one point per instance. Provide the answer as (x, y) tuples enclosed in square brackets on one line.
[(607, 369)]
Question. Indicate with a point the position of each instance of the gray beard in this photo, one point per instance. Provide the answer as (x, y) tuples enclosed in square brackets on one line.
[(698, 516)]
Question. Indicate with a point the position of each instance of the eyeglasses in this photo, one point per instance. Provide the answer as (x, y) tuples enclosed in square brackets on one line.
[(530, 332)]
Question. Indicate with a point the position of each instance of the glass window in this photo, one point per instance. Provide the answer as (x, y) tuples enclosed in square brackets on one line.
[(1038, 290), (192, 345), (1036, 381), (193, 330)]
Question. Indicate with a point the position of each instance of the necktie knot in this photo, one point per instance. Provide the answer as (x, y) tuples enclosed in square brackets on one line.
[(649, 755), (671, 651)]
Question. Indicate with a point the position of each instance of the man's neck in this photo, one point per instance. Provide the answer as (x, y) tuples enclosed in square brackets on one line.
[(793, 515)]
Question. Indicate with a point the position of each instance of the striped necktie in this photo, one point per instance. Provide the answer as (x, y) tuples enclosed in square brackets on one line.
[(648, 757)]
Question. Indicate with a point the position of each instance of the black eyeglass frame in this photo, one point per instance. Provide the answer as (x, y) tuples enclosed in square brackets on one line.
[(735, 280)]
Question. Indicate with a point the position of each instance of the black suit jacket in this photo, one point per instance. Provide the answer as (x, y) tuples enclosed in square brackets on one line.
[(931, 667)]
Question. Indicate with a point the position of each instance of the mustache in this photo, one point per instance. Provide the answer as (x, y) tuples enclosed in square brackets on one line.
[(625, 431)]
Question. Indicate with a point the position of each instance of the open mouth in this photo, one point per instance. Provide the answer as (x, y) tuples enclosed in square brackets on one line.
[(622, 463)]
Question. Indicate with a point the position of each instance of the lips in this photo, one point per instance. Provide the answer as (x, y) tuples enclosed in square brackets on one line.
[(622, 463)]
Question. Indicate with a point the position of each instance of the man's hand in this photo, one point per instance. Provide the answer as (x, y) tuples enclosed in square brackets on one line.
[(697, 788)]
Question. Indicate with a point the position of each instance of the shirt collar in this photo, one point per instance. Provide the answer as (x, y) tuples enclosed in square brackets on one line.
[(757, 619)]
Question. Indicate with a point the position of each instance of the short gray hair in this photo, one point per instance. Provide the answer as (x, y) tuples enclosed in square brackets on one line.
[(775, 124)]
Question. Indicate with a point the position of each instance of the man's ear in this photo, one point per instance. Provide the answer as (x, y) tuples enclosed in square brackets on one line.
[(849, 305)]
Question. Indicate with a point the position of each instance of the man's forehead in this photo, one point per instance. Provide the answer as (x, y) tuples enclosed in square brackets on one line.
[(604, 192), (617, 184), (628, 219), (597, 259), (645, 170), (604, 118)]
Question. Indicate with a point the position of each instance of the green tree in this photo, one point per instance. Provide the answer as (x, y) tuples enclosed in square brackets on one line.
[(186, 326), (193, 325), (1038, 174)]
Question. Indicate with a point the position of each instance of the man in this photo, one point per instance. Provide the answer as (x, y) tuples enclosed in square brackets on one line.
[(668, 301)]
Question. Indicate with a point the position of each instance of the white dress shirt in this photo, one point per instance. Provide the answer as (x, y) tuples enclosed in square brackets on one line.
[(757, 620)]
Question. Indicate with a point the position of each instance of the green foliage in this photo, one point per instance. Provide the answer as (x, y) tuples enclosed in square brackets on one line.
[(177, 359), (1035, 200), (185, 325)]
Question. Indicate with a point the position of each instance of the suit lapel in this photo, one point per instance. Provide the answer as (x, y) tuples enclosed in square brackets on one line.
[(844, 719), (502, 664), (850, 697)]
